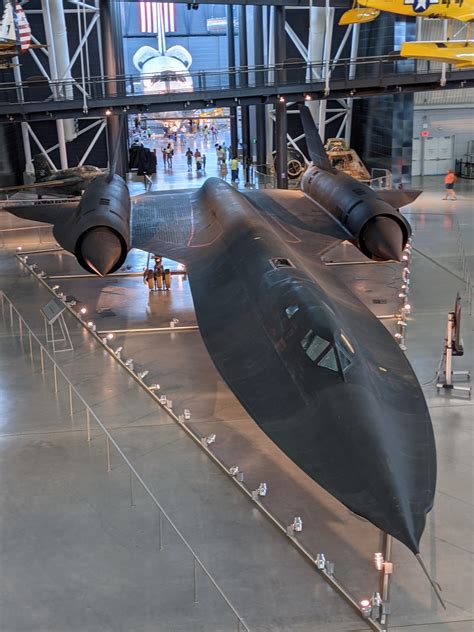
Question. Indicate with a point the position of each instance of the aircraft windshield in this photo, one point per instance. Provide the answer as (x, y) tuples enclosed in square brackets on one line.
[(314, 346)]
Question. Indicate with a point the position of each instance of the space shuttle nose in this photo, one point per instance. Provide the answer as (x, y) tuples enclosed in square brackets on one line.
[(101, 250), (383, 238)]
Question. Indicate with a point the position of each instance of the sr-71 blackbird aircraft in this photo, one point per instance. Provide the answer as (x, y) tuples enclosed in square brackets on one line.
[(310, 363)]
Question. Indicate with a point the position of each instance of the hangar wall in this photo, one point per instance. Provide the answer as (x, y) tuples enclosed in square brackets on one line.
[(450, 131)]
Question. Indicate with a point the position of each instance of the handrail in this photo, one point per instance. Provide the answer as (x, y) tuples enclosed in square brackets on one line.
[(44, 350)]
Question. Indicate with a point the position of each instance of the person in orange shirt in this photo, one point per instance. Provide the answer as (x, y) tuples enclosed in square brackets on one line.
[(449, 181)]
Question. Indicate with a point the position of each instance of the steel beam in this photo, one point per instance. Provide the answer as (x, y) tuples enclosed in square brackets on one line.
[(280, 109), (112, 42), (232, 80), (259, 109), (244, 62)]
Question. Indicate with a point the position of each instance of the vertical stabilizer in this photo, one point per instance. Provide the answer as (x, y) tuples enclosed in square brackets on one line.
[(316, 150)]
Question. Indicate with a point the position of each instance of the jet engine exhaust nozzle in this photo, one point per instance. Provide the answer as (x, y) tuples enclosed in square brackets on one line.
[(383, 238), (101, 250)]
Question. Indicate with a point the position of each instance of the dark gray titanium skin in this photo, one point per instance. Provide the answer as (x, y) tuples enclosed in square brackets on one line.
[(98, 232), (363, 433)]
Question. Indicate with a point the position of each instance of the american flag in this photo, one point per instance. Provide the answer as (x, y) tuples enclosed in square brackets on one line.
[(23, 28), (149, 16)]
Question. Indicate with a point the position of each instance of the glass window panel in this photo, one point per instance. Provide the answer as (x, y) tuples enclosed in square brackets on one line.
[(343, 359), (291, 310), (329, 361), (307, 339)]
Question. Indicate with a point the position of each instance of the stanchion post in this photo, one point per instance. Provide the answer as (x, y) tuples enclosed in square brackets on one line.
[(71, 410), (385, 576), (3, 305), (11, 315), (20, 327), (30, 342), (55, 378), (88, 423), (108, 453), (132, 504), (195, 580), (160, 530), (42, 360)]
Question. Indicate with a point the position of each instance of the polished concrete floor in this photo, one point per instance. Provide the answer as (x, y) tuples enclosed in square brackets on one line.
[(76, 556)]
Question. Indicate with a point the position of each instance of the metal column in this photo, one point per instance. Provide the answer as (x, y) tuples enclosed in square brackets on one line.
[(259, 80), (62, 59), (352, 72), (53, 71), (112, 46), (244, 63), (280, 109), (232, 80)]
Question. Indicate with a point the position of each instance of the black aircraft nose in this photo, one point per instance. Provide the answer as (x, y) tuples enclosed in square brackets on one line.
[(383, 238), (101, 250)]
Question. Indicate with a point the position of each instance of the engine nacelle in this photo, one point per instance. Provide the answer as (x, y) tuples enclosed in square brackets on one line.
[(98, 233), (377, 228)]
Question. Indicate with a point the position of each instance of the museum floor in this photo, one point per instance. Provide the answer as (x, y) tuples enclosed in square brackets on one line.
[(79, 553)]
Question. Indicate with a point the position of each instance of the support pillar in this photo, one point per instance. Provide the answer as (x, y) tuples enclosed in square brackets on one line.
[(280, 109), (112, 48), (352, 73), (53, 71), (61, 52), (232, 81), (244, 64), (270, 78), (259, 80)]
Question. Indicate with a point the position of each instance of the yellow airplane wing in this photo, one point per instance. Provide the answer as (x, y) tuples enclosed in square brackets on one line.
[(458, 53), (359, 15)]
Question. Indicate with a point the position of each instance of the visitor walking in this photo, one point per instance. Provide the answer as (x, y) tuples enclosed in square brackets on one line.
[(189, 158), (234, 170), (169, 155), (449, 181)]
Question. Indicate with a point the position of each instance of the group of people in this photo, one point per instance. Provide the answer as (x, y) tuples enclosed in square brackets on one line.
[(198, 157), (167, 155)]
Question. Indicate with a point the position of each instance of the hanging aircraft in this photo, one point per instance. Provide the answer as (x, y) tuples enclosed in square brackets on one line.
[(458, 53), (369, 10), (311, 364), (64, 183), (15, 34)]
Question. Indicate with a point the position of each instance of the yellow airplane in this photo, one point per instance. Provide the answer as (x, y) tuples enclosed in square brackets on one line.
[(458, 53), (368, 10)]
